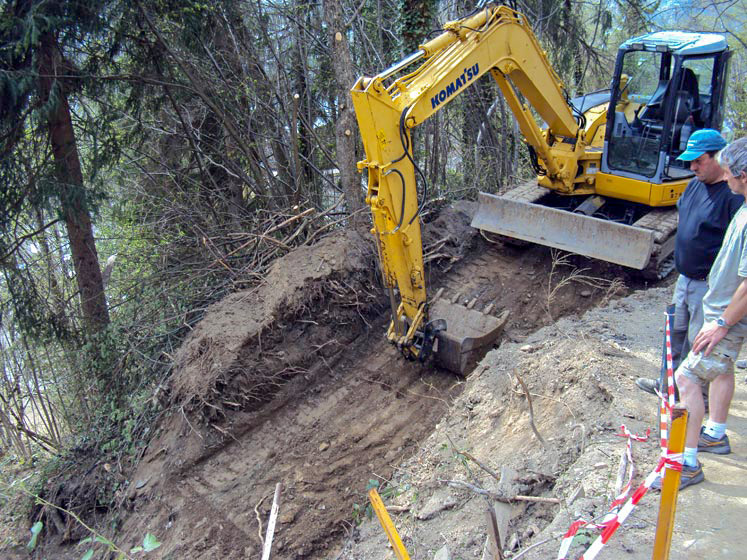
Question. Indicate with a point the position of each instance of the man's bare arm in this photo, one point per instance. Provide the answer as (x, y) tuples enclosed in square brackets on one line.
[(711, 333)]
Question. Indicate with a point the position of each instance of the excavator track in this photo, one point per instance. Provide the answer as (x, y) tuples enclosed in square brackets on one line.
[(661, 221)]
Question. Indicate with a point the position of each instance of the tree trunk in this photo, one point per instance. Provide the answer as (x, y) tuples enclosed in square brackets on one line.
[(345, 128), (68, 173)]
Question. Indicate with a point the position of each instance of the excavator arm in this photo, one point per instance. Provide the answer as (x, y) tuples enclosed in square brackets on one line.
[(496, 40)]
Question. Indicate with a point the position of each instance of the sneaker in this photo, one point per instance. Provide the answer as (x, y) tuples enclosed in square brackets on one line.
[(688, 477), (710, 444), (741, 364), (648, 385)]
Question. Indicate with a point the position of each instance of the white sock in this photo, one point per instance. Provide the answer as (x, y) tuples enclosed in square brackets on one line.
[(714, 429), (690, 456)]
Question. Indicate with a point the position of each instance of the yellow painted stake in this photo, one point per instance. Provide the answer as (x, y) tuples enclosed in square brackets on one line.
[(386, 523), (670, 487)]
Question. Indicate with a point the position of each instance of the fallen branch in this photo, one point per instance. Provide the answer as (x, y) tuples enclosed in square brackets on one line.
[(499, 497), (531, 410), (484, 467), (535, 545)]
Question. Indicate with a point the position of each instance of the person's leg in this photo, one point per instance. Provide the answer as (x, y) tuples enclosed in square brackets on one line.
[(681, 324), (678, 330), (721, 393), (692, 397), (694, 294), (718, 367), (713, 438)]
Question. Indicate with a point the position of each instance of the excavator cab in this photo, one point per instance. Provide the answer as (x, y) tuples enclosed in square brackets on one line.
[(666, 85)]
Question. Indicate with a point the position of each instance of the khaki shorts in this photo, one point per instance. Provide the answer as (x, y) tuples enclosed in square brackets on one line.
[(704, 369)]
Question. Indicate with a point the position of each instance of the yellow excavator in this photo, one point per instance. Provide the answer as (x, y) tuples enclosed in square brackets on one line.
[(607, 173)]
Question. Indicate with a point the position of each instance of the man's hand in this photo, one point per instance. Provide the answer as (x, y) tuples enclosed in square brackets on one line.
[(708, 337)]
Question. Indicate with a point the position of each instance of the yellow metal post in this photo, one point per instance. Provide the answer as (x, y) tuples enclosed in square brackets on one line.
[(386, 523), (670, 487)]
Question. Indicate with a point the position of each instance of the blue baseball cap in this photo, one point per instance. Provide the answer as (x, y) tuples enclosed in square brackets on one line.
[(702, 141)]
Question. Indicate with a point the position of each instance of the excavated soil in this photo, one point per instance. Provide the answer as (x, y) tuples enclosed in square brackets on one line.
[(579, 375), (293, 382)]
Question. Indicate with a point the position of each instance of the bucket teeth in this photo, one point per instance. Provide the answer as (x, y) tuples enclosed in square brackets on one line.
[(469, 334)]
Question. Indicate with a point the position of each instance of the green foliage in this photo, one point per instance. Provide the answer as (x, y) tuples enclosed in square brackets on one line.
[(417, 19), (386, 492), (584, 537), (150, 543)]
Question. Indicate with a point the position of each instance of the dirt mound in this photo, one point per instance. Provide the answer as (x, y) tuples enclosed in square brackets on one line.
[(312, 304), (252, 341), (339, 405)]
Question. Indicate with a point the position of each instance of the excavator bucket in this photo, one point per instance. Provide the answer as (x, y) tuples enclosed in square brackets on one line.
[(468, 336), (576, 233)]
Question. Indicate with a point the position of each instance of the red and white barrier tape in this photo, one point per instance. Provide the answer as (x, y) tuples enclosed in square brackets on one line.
[(617, 515), (673, 462), (612, 514), (667, 402)]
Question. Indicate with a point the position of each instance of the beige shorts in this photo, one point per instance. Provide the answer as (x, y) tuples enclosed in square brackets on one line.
[(704, 369)]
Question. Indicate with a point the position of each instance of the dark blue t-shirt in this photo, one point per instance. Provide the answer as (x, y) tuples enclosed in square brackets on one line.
[(704, 214)]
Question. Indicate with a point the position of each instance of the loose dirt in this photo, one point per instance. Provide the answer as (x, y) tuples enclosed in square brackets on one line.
[(580, 375), (343, 408), (293, 382)]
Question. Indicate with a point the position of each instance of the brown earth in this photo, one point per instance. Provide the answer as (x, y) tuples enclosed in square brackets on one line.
[(580, 374), (293, 382)]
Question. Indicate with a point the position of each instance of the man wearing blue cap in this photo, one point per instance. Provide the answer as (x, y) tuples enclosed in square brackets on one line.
[(719, 342), (705, 210)]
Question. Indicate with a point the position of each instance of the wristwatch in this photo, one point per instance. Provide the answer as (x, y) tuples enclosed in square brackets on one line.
[(721, 322)]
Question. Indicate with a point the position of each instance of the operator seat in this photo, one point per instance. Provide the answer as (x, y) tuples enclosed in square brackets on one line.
[(686, 109), (687, 97)]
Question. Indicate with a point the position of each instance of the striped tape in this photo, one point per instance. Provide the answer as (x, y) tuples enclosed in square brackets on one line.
[(671, 461), (612, 514), (622, 506)]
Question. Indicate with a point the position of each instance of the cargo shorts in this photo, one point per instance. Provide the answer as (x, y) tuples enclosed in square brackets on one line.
[(703, 369)]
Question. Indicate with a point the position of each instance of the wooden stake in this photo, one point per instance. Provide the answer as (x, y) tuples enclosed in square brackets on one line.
[(271, 522), (494, 536), (670, 487), (386, 523)]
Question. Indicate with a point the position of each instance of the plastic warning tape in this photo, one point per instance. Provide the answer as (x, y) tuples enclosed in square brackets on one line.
[(664, 410), (671, 461), (620, 499), (621, 507), (565, 544)]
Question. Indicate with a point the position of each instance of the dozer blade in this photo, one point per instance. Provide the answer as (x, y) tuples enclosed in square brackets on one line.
[(576, 233), (467, 337)]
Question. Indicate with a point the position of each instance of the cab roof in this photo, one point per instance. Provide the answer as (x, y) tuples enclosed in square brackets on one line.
[(678, 42)]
